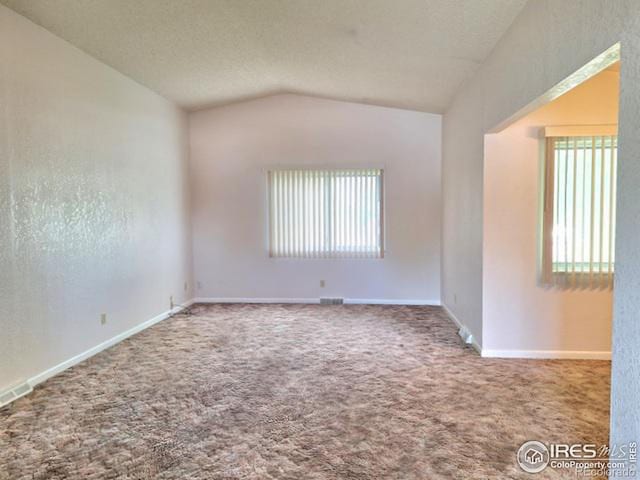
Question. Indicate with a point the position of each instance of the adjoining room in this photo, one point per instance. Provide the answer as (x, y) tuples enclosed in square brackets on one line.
[(319, 240), (549, 223)]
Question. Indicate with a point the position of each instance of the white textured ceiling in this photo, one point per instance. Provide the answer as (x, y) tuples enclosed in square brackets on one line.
[(402, 53)]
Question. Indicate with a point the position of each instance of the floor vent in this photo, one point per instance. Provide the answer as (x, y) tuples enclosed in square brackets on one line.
[(14, 393), (465, 335), (332, 301)]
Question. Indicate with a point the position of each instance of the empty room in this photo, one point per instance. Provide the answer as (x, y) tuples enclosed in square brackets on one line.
[(341, 239)]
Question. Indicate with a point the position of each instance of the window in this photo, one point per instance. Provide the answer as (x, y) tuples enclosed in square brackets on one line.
[(326, 213), (579, 210)]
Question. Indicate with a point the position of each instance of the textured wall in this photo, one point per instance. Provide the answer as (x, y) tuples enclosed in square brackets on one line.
[(92, 201), (462, 141), (547, 42), (233, 147), (625, 389), (518, 313)]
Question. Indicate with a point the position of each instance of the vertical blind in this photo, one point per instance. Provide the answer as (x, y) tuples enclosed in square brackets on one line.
[(326, 213), (580, 211)]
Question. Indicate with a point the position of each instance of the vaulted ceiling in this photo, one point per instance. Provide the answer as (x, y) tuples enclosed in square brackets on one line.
[(410, 54)]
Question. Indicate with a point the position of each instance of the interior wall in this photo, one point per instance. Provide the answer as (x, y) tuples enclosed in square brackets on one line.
[(547, 42), (520, 316), (233, 147), (93, 203)]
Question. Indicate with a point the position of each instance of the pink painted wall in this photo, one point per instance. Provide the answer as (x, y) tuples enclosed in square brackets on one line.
[(518, 314)]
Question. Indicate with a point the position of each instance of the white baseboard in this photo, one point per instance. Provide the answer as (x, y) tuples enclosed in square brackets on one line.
[(41, 377), (476, 346), (455, 320), (253, 300), (548, 354), (539, 354), (382, 301), (350, 301)]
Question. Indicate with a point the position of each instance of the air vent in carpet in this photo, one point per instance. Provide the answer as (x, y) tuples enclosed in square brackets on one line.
[(465, 335), (14, 393)]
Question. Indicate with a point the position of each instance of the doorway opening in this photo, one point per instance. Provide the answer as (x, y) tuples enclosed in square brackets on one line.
[(549, 224), (550, 176)]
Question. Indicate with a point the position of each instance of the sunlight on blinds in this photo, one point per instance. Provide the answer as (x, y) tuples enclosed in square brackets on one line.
[(579, 213), (326, 213)]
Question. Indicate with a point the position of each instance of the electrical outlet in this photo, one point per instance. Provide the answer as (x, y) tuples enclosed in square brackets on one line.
[(322, 283), (171, 302), (103, 319), (186, 286), (199, 284)]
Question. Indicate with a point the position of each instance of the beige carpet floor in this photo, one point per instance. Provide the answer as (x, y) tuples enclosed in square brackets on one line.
[(300, 392)]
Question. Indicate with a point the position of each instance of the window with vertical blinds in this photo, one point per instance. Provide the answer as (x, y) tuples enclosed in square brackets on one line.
[(326, 213), (580, 211)]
